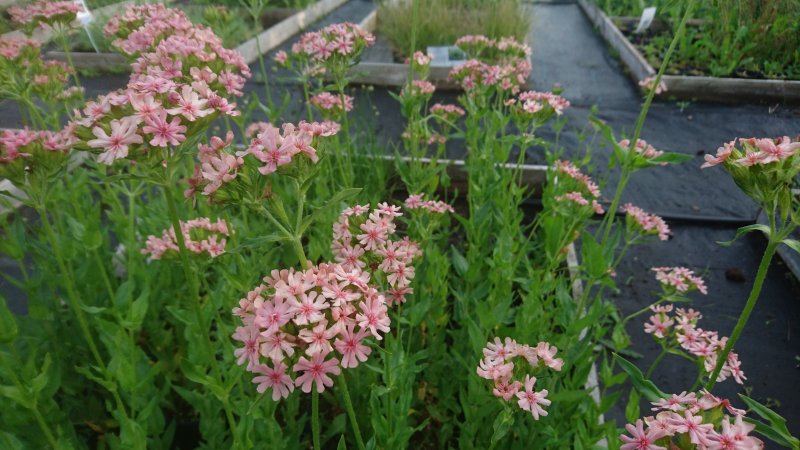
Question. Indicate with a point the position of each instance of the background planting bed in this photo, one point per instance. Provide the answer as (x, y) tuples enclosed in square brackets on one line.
[(268, 39), (378, 67), (688, 87)]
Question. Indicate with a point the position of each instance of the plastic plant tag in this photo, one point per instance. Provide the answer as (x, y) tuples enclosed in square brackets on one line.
[(446, 56), (85, 17), (646, 20)]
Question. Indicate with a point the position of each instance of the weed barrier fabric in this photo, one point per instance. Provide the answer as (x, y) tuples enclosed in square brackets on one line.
[(769, 345)]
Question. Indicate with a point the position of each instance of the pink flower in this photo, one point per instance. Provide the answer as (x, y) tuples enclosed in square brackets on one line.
[(723, 153), (190, 105), (307, 309), (374, 316), (694, 426), (547, 352), (658, 326), (530, 400), (275, 378), (164, 133), (677, 402), (316, 371), (318, 338), (351, 348), (506, 388), (641, 440), (115, 145), (251, 338)]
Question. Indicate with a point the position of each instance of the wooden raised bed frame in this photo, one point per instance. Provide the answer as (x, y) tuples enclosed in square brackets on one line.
[(269, 39), (689, 87)]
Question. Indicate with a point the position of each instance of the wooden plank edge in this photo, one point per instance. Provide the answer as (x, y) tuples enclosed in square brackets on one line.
[(592, 382), (636, 63), (283, 30)]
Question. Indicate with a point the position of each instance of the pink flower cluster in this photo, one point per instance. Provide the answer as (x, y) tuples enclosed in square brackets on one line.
[(141, 27), (651, 224), (366, 242), (328, 102), (199, 235), (682, 331), (45, 12), (572, 171), (11, 48), (421, 60), (642, 148), (475, 75), (532, 102), (173, 93), (449, 111), (680, 279), (275, 147), (420, 88), (650, 81), (338, 41), (417, 201), (498, 366), (754, 152), (582, 191), (27, 145), (296, 322), (505, 47), (688, 418)]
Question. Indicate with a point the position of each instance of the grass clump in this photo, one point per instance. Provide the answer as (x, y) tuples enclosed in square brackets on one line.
[(441, 22)]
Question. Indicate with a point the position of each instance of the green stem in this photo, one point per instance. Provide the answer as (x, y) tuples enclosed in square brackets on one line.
[(44, 426), (103, 274), (72, 296), (191, 276), (763, 267), (351, 413), (62, 38), (655, 363), (315, 418), (626, 171)]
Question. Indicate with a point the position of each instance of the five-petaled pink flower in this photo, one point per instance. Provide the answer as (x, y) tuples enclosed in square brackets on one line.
[(123, 134), (316, 371)]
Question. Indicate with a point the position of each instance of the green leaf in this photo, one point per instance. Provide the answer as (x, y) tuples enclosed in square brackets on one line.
[(8, 324), (776, 430), (671, 158), (502, 424), (342, 445), (10, 442), (77, 229), (139, 310), (194, 373), (39, 382), (632, 408), (744, 230), (459, 262), (16, 394), (646, 387), (793, 244)]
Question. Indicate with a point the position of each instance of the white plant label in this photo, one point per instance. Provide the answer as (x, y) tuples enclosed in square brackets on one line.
[(646, 20), (85, 17), (445, 56)]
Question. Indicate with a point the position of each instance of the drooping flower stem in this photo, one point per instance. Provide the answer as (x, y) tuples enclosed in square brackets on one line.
[(763, 267), (315, 418), (626, 169), (351, 413)]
